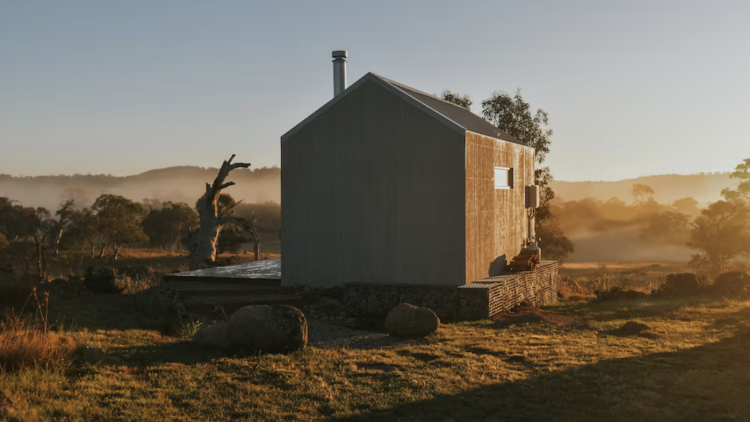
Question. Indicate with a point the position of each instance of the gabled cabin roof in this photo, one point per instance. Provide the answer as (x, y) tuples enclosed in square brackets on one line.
[(453, 116)]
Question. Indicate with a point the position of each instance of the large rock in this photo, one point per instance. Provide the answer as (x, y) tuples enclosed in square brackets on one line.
[(214, 335), (407, 320), (732, 284), (267, 329)]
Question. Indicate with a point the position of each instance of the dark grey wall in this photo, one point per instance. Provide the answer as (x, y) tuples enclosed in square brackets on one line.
[(373, 191)]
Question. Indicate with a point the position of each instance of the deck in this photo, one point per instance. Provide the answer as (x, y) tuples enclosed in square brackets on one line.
[(234, 286)]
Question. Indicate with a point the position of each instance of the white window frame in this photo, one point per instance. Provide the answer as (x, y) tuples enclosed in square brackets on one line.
[(509, 170)]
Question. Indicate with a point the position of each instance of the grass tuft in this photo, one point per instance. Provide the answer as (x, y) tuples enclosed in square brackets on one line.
[(27, 342)]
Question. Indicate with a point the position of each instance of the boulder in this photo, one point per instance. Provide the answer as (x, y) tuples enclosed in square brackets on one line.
[(214, 335), (268, 329), (732, 284), (407, 320)]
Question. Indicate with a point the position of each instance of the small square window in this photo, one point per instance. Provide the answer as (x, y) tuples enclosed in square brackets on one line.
[(503, 178)]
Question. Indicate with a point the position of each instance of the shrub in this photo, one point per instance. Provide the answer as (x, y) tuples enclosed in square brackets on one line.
[(732, 284), (681, 284), (127, 280), (28, 342), (618, 292), (102, 280)]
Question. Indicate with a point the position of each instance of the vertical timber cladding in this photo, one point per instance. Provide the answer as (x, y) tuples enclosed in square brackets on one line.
[(495, 218), (373, 192)]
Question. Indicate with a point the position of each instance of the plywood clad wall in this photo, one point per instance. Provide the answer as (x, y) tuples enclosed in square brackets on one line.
[(373, 192), (495, 218)]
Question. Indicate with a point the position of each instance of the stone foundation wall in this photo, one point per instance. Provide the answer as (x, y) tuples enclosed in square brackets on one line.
[(478, 300)]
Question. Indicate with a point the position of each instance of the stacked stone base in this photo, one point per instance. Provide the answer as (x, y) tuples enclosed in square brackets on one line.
[(479, 300)]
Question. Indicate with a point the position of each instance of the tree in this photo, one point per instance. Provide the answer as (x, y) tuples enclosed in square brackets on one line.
[(119, 222), (641, 194), (41, 231), (720, 233), (553, 240), (203, 247), (742, 193), (63, 214), (513, 115), (687, 206), (83, 230), (667, 226), (457, 99), (167, 224), (232, 235), (26, 231)]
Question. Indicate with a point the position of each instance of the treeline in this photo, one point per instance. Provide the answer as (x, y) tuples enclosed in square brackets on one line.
[(656, 222), (719, 233), (30, 238)]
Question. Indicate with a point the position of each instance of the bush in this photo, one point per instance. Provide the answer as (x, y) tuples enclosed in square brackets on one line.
[(732, 284), (682, 284), (102, 280), (25, 343), (127, 280), (618, 292)]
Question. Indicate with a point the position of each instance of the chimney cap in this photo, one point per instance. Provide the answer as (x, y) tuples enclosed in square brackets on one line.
[(339, 54)]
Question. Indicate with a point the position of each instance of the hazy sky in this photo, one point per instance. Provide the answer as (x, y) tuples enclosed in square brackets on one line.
[(119, 87)]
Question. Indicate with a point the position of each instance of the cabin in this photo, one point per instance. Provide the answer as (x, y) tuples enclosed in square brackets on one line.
[(388, 185)]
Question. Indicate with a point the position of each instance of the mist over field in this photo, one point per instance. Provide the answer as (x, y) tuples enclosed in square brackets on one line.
[(177, 184), (668, 188), (597, 232)]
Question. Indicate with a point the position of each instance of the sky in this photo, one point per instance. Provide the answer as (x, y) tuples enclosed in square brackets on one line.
[(120, 87)]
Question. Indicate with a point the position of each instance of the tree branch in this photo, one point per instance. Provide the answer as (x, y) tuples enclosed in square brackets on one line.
[(230, 219)]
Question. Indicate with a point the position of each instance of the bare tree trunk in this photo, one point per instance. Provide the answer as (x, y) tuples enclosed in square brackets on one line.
[(56, 239), (203, 250), (93, 246), (256, 245), (101, 253), (116, 248)]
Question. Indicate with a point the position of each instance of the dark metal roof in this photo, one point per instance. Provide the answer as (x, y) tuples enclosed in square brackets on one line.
[(461, 116), (453, 116)]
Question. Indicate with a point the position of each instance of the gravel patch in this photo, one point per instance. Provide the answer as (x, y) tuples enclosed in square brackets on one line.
[(329, 334)]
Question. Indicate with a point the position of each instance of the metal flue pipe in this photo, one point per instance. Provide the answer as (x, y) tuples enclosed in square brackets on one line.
[(339, 71)]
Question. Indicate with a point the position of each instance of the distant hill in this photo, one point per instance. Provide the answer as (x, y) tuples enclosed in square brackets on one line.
[(704, 187), (184, 184)]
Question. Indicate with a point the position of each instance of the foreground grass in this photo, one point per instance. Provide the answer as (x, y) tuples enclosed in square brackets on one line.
[(563, 363)]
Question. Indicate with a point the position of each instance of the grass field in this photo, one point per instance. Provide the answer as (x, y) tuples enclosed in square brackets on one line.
[(583, 278), (563, 363), (160, 260)]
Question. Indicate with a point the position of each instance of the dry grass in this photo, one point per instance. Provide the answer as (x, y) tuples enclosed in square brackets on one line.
[(584, 278), (27, 342), (563, 363)]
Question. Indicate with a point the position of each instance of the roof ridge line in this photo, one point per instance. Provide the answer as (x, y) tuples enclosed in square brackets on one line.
[(400, 85)]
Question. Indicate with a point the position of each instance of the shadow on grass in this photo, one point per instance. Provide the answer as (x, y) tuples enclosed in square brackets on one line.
[(608, 310), (184, 352), (705, 383)]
